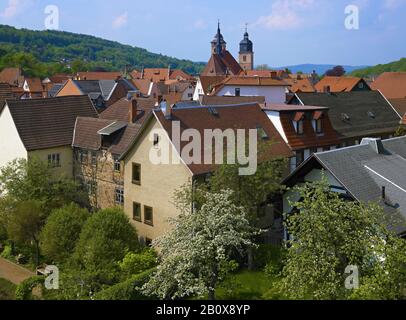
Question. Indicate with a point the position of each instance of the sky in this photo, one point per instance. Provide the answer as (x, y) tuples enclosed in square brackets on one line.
[(284, 32)]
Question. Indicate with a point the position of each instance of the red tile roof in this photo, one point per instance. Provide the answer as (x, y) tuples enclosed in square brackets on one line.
[(98, 75), (12, 76), (222, 65), (338, 84), (249, 116), (391, 84), (400, 107)]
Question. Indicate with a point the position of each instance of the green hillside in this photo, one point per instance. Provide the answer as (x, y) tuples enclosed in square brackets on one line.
[(41, 53), (397, 66)]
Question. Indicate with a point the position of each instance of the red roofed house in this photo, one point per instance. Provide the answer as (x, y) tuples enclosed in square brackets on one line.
[(342, 84), (391, 84), (149, 186)]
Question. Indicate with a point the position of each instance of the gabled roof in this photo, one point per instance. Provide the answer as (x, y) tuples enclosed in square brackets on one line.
[(34, 84), (87, 134), (209, 82), (5, 94), (300, 85), (355, 114), (391, 84), (98, 75), (339, 84), (400, 107), (120, 110), (363, 171), (249, 116), (48, 123), (12, 76), (143, 85), (222, 65)]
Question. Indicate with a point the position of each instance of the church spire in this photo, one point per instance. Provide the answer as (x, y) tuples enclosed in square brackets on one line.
[(218, 45)]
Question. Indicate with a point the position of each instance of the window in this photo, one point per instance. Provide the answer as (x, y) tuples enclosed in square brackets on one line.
[(156, 140), (119, 196), (117, 164), (91, 187), (54, 160), (190, 95), (94, 158), (136, 174), (244, 58), (148, 215), (83, 156), (299, 127), (299, 158), (361, 85), (237, 92), (318, 126), (137, 211)]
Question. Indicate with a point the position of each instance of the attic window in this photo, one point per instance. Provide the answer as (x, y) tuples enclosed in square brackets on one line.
[(345, 117), (371, 115)]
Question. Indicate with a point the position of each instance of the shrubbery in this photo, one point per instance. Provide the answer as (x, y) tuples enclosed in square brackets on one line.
[(24, 289)]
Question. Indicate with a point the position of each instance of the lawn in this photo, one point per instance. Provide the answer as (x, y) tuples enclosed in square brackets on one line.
[(7, 290), (249, 285)]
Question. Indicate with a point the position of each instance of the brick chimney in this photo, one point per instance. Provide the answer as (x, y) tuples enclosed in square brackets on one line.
[(132, 112)]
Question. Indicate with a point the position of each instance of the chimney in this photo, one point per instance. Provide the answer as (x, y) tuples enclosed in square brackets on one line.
[(375, 143), (274, 74), (384, 193), (169, 72), (132, 114), (166, 109)]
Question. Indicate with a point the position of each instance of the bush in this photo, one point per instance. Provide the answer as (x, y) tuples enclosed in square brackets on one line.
[(127, 290), (7, 253), (24, 289), (267, 255), (104, 241), (136, 263), (61, 232)]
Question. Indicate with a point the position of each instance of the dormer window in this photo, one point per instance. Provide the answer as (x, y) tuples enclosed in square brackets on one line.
[(237, 92), (298, 122), (317, 122), (299, 127)]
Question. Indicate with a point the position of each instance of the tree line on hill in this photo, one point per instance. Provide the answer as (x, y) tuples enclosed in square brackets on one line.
[(43, 53)]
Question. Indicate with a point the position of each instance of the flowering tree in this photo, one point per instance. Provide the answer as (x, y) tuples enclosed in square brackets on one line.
[(195, 255)]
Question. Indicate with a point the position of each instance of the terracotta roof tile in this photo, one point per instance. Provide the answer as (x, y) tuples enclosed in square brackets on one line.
[(338, 84), (230, 117), (391, 84)]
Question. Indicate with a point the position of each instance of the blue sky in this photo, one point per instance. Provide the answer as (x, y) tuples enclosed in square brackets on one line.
[(285, 32)]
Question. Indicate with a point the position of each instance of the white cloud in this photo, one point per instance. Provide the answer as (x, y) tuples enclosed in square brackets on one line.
[(393, 4), (13, 7), (285, 14), (200, 24), (120, 21)]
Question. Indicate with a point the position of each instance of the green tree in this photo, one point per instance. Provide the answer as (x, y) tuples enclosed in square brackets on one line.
[(135, 263), (104, 241), (329, 234), (61, 232), (195, 254), (25, 224), (401, 131)]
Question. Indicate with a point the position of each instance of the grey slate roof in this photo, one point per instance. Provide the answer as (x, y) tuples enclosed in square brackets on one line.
[(359, 106), (363, 172), (96, 87)]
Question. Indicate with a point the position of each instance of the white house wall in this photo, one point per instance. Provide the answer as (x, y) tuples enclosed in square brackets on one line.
[(272, 94), (275, 118), (312, 176), (11, 146)]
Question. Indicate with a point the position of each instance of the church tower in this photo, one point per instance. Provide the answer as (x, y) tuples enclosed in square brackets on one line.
[(218, 45), (246, 53)]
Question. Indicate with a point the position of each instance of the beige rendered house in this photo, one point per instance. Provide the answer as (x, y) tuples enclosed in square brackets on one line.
[(42, 128), (149, 187)]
